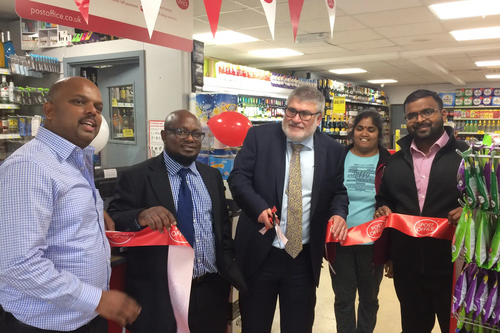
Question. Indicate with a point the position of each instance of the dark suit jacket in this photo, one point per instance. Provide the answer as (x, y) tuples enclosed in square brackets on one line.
[(147, 185), (257, 183)]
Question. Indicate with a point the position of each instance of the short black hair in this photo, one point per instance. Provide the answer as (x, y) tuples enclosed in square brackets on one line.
[(423, 93), (376, 121)]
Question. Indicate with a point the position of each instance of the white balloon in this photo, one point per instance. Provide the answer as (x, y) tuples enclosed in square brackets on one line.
[(101, 139)]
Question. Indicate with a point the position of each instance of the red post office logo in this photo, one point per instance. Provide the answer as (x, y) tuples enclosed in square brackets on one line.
[(425, 227), (176, 236), (375, 229), (119, 238), (183, 4), (268, 1), (331, 3)]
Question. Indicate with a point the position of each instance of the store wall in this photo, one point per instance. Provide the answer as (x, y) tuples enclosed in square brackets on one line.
[(398, 94), (168, 72)]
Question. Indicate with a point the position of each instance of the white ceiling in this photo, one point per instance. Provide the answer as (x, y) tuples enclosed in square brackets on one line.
[(396, 39)]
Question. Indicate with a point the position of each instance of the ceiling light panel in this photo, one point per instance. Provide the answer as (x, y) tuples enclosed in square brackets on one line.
[(383, 81), (493, 76), (476, 34), (348, 71), (469, 8), (491, 63)]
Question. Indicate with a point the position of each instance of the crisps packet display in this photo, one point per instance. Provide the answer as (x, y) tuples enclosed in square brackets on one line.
[(483, 237), (494, 250), (483, 197), (458, 241), (470, 239), (460, 290), (481, 296), (491, 302), (494, 184), (471, 292)]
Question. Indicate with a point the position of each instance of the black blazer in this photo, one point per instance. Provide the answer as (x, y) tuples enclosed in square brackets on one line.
[(147, 185), (257, 183)]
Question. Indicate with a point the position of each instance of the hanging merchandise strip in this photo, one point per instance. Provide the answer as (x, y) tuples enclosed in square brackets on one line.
[(180, 265), (477, 236)]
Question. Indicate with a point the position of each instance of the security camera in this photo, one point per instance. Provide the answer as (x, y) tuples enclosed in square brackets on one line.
[(382, 85)]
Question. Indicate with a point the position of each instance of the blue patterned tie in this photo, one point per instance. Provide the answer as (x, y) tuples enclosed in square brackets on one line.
[(185, 209)]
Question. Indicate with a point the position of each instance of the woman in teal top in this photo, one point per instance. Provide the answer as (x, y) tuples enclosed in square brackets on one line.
[(353, 265)]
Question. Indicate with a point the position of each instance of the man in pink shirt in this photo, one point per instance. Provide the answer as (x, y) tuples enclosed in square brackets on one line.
[(420, 180)]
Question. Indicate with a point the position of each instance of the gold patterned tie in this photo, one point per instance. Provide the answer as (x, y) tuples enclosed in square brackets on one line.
[(294, 210)]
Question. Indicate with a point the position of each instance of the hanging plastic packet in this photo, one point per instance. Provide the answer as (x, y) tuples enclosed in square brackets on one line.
[(491, 302), (483, 237), (470, 179), (471, 292), (494, 184), (481, 296), (461, 176), (494, 250), (458, 241), (483, 197), (470, 239), (460, 290)]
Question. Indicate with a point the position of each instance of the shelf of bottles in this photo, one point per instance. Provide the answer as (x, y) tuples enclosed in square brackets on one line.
[(473, 122), (353, 93), (122, 113), (262, 109)]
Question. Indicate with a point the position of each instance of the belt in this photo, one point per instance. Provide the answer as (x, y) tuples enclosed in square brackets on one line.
[(10, 319), (201, 278)]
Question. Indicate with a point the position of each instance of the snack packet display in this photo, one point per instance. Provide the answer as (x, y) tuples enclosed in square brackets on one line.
[(458, 241), (483, 197), (460, 290), (494, 184), (481, 296), (470, 239), (494, 250), (491, 302), (483, 237), (471, 293)]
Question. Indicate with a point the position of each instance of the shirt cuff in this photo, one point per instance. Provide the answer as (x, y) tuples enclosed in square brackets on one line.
[(89, 299)]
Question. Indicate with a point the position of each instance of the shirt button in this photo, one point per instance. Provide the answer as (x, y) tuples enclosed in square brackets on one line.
[(199, 260), (423, 176), (423, 196), (82, 168), (194, 220)]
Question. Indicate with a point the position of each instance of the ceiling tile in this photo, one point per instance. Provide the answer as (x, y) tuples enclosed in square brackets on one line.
[(354, 36), (370, 44), (354, 7), (430, 46), (327, 48), (415, 29), (343, 23), (311, 10), (423, 39), (200, 27), (397, 17), (258, 45), (389, 49), (242, 19)]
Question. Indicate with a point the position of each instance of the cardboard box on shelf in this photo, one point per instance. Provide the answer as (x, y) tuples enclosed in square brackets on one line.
[(468, 101), (460, 92), (459, 101)]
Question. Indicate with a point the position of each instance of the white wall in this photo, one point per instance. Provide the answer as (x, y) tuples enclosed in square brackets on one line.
[(398, 94)]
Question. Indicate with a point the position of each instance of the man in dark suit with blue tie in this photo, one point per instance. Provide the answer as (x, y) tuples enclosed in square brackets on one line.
[(295, 168), (175, 189)]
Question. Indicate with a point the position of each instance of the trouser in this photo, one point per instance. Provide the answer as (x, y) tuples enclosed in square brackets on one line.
[(422, 296), (290, 279), (96, 325), (354, 270)]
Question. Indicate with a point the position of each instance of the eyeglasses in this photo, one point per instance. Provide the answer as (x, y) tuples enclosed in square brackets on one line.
[(426, 114), (184, 134), (304, 115)]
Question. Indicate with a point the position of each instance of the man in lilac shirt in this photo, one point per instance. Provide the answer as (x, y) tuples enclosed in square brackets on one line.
[(420, 180)]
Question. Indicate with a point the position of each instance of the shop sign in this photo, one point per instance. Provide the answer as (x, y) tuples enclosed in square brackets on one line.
[(122, 18)]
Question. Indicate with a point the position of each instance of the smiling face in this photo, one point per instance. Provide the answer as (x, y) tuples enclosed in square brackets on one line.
[(74, 111), (365, 136), (185, 151), (425, 128), (297, 129)]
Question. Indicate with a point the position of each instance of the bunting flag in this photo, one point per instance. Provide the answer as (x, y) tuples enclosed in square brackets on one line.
[(270, 10), (295, 10), (330, 6), (150, 9), (83, 7), (180, 264), (414, 226), (213, 10)]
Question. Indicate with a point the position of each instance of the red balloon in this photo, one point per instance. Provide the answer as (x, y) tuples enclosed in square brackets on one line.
[(230, 128)]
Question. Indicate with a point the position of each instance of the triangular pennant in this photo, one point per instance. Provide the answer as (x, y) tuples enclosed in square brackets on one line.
[(213, 10), (330, 6), (295, 10), (151, 9), (270, 10), (83, 7)]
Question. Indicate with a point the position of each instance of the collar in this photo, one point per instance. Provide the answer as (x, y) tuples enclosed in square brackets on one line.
[(62, 147), (441, 142), (309, 142), (173, 166), (405, 142)]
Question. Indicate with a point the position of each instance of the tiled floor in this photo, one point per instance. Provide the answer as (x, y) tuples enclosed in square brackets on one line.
[(388, 316)]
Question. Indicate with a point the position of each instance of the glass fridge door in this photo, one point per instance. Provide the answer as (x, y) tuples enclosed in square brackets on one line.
[(122, 113)]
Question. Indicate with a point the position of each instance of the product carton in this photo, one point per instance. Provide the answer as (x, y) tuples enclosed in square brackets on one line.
[(488, 92), (448, 99), (487, 100), (495, 101), (468, 101), (459, 101), (468, 92), (460, 92), (224, 164), (477, 101), (478, 92)]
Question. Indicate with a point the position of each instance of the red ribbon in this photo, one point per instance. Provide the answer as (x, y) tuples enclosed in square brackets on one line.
[(414, 226), (146, 237)]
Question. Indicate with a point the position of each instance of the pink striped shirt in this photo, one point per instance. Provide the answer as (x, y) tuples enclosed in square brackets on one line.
[(422, 164)]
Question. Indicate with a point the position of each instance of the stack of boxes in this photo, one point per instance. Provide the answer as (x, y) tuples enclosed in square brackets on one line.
[(477, 97)]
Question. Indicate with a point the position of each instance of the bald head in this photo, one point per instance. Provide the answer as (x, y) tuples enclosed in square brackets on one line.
[(67, 82), (179, 116)]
